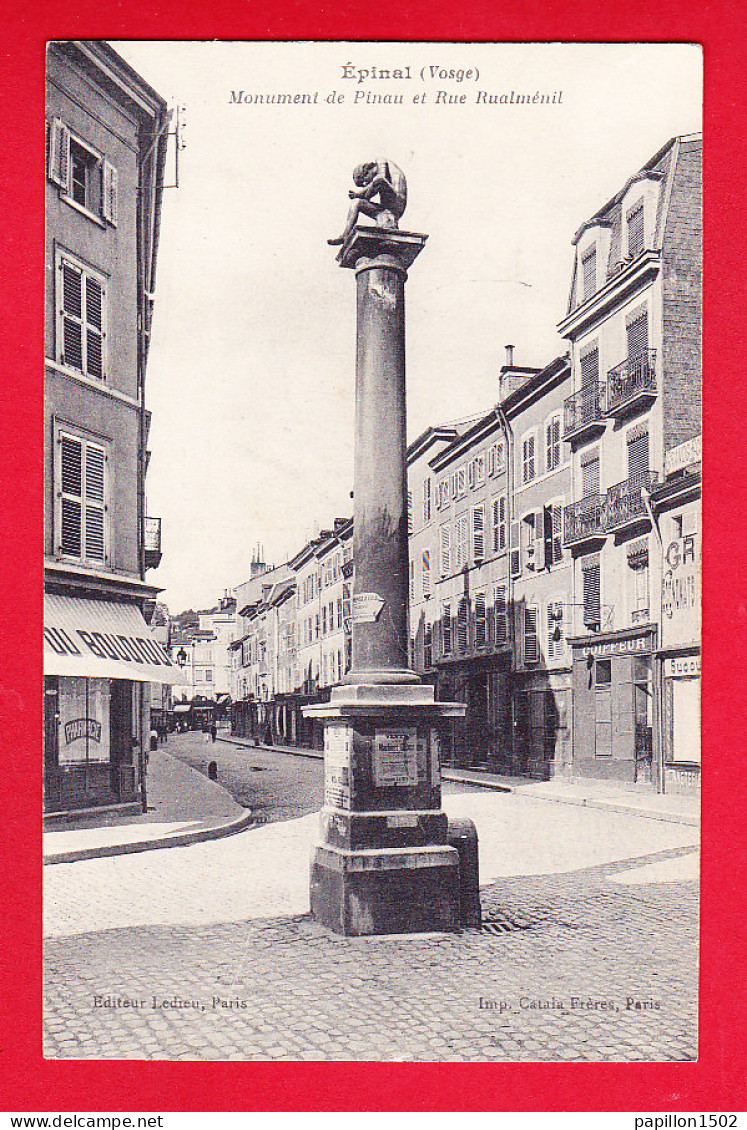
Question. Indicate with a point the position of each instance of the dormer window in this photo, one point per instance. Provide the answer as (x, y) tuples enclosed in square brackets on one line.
[(589, 271)]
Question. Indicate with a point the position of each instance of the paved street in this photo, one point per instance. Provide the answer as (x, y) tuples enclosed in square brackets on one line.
[(588, 950)]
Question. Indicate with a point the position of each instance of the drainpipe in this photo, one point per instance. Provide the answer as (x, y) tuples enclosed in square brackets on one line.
[(658, 660), (508, 437)]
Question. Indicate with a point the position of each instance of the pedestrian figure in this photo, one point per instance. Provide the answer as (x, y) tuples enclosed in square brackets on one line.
[(213, 730)]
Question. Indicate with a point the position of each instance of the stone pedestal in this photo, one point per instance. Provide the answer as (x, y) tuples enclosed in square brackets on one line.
[(383, 865)]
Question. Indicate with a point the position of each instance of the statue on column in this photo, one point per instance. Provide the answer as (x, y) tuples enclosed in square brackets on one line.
[(381, 194)]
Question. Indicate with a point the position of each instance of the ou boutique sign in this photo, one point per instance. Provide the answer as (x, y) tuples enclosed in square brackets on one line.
[(680, 590)]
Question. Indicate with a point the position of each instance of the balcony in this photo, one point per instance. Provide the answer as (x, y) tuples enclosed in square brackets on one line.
[(152, 543), (584, 412), (624, 504), (585, 520), (632, 384)]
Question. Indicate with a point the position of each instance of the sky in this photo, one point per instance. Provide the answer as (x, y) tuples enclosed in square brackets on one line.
[(252, 362)]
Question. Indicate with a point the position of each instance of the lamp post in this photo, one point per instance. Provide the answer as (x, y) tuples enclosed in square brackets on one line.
[(383, 864)]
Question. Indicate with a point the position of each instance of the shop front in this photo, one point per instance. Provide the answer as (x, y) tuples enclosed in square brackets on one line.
[(483, 736), (614, 707), (99, 661), (680, 664), (541, 725)]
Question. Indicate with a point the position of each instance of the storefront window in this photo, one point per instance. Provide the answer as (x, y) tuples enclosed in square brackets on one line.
[(84, 711)]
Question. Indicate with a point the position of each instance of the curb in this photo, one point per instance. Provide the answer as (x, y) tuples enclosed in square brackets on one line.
[(184, 839)]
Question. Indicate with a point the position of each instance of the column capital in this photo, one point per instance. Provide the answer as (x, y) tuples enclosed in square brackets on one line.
[(398, 249)]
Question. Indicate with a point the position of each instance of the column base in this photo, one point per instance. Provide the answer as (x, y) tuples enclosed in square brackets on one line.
[(385, 890)]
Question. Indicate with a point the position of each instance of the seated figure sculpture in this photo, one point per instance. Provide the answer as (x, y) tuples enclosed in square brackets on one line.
[(381, 194)]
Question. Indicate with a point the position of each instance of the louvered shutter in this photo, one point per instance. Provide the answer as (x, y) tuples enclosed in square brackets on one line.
[(515, 550), (480, 620), (637, 452), (556, 519), (409, 512), (491, 461), (589, 269), (445, 550), (591, 593), (539, 540), (71, 315), (94, 503), (446, 628), (531, 641), (109, 193), (478, 533), (71, 502), (499, 614), (635, 230), (471, 473), (426, 572), (463, 625), (590, 476), (590, 368), (637, 334), (94, 327), (58, 168)]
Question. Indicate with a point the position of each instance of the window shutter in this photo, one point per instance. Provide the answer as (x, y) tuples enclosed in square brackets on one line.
[(94, 327), (637, 333), (531, 642), (446, 628), (590, 368), (556, 520), (491, 460), (478, 533), (71, 309), (463, 625), (59, 154), (409, 512), (635, 229), (426, 572), (589, 268), (539, 540), (515, 551), (445, 551), (109, 193), (471, 475), (499, 613), (480, 620), (426, 500), (591, 591), (555, 633), (71, 486), (637, 452), (590, 476)]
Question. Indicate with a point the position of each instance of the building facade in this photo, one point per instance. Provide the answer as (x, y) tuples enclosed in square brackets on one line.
[(633, 326), (106, 150)]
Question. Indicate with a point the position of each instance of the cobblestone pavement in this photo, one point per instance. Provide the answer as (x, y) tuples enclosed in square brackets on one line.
[(212, 939)]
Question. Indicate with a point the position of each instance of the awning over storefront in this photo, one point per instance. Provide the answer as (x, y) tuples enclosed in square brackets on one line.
[(101, 639)]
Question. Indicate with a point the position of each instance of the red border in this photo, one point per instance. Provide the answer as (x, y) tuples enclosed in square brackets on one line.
[(716, 1081)]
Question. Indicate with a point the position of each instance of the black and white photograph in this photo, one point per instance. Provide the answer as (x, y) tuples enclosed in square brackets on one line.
[(372, 551)]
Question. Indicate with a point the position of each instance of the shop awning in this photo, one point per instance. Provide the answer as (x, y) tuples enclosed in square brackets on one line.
[(101, 639)]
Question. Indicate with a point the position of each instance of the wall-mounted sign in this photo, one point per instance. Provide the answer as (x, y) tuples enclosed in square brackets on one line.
[(680, 591), (338, 747), (616, 647), (366, 607), (395, 757), (78, 728), (682, 667), (684, 455)]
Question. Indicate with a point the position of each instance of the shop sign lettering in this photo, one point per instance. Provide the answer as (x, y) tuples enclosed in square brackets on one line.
[(682, 667), (618, 647), (106, 645), (78, 728)]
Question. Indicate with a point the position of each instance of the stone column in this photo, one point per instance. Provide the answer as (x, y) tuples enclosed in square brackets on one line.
[(383, 865)]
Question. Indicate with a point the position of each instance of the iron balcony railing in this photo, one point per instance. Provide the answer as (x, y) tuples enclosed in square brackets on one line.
[(585, 519), (635, 377), (625, 502), (152, 543), (584, 409)]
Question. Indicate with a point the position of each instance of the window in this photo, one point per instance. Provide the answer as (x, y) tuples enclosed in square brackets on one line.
[(552, 443), (637, 443), (637, 335), (442, 494), (514, 555), (500, 619), (478, 532), (208, 675), (528, 446), (496, 458), (481, 634), (428, 646), (591, 591), (555, 630), (531, 639), (635, 229), (639, 596), (460, 548), (476, 472), (458, 482), (528, 527), (499, 523), (412, 580), (347, 605), (446, 626), (589, 271), (590, 368), (81, 317), (82, 488), (426, 572), (445, 550), (590, 475), (324, 620), (85, 178), (427, 500), (553, 528)]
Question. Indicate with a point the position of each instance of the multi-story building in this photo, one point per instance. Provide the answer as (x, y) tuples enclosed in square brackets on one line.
[(676, 509), (539, 574), (106, 151), (633, 324), (203, 657)]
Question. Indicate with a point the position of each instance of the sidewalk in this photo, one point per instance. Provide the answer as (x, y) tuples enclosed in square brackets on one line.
[(184, 807), (589, 794)]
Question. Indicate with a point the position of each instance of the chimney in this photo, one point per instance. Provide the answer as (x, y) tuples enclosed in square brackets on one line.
[(509, 356)]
